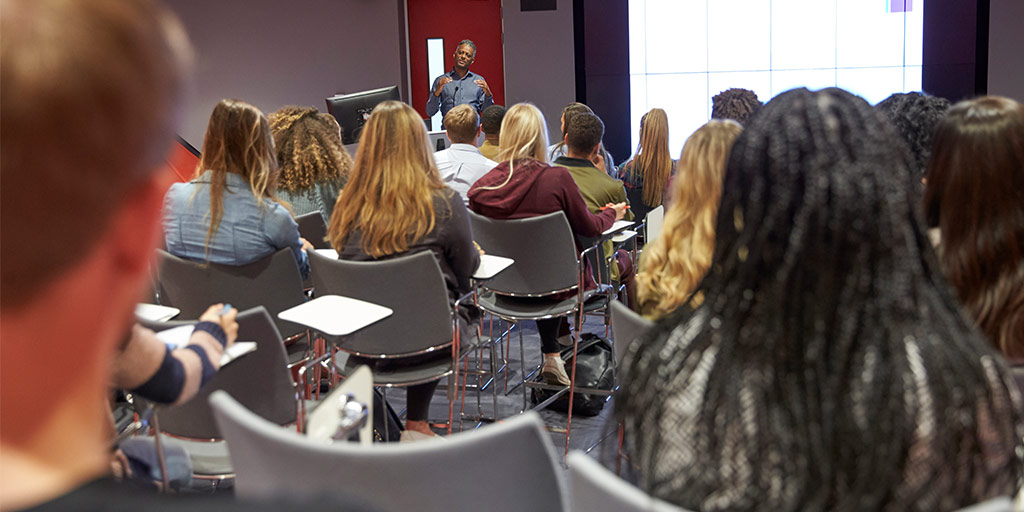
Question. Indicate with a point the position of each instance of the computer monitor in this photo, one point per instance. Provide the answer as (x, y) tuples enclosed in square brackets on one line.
[(352, 110)]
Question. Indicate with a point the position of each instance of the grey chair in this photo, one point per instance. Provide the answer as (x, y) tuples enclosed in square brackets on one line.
[(259, 379), (592, 488), (545, 282), (422, 321), (273, 282), (626, 326), (313, 227), (271, 461)]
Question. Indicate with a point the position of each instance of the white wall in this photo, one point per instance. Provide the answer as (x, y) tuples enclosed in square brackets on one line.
[(273, 53), (539, 59), (1006, 41)]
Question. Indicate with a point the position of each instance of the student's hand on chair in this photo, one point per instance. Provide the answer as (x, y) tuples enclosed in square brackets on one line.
[(227, 320), (305, 244)]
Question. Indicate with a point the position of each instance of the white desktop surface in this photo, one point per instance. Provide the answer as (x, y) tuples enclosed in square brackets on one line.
[(330, 253), (178, 337), (336, 315), (491, 265), (619, 225), (155, 312)]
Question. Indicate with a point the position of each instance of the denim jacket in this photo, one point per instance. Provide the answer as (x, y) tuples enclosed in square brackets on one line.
[(250, 228)]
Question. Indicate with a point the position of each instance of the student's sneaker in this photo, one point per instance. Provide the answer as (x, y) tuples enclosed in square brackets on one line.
[(553, 371), (412, 436), (565, 340)]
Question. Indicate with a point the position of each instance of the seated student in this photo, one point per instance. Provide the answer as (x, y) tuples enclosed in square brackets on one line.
[(974, 194), (647, 174), (313, 162), (915, 116), (462, 164), (395, 203), (736, 104), (91, 93), (229, 212), (673, 264), (490, 123), (523, 186), (604, 161), (828, 367), (583, 141)]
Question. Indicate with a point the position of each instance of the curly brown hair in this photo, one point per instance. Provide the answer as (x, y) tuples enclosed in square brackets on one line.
[(309, 148)]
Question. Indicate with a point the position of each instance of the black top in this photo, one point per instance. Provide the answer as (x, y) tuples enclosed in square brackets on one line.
[(451, 241), (106, 494)]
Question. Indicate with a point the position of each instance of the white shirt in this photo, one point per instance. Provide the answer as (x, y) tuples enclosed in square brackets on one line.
[(461, 165)]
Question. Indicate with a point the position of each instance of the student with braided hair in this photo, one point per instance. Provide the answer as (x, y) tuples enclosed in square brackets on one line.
[(736, 104), (829, 366), (312, 160)]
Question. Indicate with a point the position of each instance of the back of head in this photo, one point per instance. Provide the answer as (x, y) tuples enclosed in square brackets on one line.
[(571, 110), (490, 119), (676, 261), (828, 366), (736, 104), (389, 195), (975, 194), (91, 95), (524, 134), (915, 116), (461, 123), (309, 148), (238, 141), (585, 133), (653, 158)]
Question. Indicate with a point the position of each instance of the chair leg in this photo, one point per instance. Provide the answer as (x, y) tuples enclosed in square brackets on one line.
[(572, 381), (618, 458), (161, 457), (522, 365)]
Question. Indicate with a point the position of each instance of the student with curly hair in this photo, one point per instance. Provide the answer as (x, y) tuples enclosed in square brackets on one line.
[(736, 104), (829, 366), (974, 193), (915, 116), (229, 213), (646, 175), (673, 264), (314, 164)]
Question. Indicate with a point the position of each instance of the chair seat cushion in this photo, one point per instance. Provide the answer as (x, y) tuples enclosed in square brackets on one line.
[(407, 371)]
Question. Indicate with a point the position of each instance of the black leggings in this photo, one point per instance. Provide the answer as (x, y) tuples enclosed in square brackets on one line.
[(418, 401), (549, 331)]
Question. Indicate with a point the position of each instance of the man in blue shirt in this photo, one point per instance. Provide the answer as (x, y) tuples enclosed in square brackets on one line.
[(460, 85)]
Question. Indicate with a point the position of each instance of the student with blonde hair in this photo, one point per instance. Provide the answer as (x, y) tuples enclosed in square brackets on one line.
[(229, 213), (394, 204), (314, 164), (524, 185), (673, 264), (462, 164), (646, 174)]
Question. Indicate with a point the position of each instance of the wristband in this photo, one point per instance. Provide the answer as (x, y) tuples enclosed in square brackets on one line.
[(214, 330), (165, 385), (208, 370)]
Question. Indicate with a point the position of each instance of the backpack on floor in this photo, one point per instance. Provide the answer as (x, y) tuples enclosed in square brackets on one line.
[(594, 370)]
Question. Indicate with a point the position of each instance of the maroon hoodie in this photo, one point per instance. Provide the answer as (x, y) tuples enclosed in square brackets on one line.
[(536, 189)]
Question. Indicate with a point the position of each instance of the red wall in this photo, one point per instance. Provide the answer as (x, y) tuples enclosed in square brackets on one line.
[(455, 20)]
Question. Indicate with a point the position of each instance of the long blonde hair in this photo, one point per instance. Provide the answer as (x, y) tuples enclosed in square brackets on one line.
[(673, 264), (390, 193), (524, 134), (653, 158), (238, 140)]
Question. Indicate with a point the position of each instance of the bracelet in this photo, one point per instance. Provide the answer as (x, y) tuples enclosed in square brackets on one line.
[(208, 370), (214, 330)]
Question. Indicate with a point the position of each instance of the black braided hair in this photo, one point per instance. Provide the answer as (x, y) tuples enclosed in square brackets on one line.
[(915, 116), (828, 367)]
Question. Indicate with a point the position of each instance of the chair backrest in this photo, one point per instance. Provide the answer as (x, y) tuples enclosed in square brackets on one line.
[(543, 247), (313, 227), (411, 285), (273, 282), (593, 488), (626, 326), (322, 422), (271, 461), (259, 379), (655, 219)]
